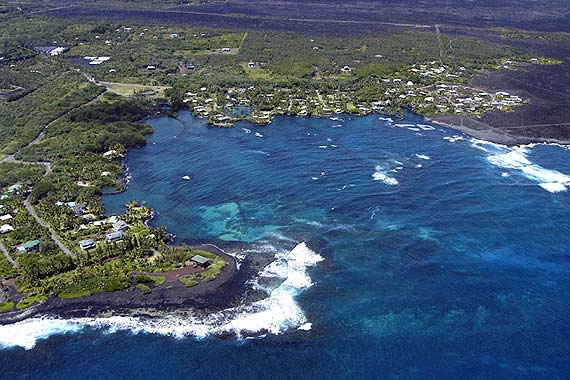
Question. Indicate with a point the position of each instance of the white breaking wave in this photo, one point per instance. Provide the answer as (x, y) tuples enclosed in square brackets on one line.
[(554, 187), (423, 156), (516, 159), (274, 314), (381, 175), (426, 127), (453, 139)]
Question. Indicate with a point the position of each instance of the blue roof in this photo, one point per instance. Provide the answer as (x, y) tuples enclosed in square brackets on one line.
[(115, 235), (200, 259)]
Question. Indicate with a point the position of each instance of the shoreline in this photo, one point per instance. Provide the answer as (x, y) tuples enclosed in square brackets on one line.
[(486, 132), (230, 285), (463, 123), (222, 292)]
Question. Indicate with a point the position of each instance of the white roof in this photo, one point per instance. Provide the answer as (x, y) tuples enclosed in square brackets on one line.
[(6, 228)]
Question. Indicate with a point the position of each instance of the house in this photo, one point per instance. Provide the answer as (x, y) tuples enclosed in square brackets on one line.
[(120, 226), (201, 261), (109, 153), (114, 236), (6, 228), (191, 67), (151, 67), (6, 217), (87, 244), (113, 219), (78, 209), (29, 246), (251, 65), (14, 188)]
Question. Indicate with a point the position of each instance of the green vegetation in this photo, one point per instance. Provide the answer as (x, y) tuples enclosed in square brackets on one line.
[(21, 121), (188, 280), (144, 289), (68, 124), (29, 301), (149, 280), (526, 35), (6, 306), (209, 274), (6, 269)]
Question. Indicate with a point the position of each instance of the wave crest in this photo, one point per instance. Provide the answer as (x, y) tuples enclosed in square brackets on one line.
[(274, 314)]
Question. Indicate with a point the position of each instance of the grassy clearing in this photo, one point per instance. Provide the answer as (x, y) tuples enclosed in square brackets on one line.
[(144, 289), (29, 301), (148, 279), (188, 280), (126, 89), (77, 294), (6, 306), (210, 274)]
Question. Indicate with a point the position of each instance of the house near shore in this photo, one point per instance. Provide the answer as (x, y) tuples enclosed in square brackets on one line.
[(120, 226), (29, 246), (201, 261), (14, 188), (6, 217), (87, 244), (114, 236), (6, 228)]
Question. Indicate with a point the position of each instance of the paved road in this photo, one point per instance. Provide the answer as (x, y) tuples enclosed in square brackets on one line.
[(7, 255), (12, 159), (47, 166), (54, 237)]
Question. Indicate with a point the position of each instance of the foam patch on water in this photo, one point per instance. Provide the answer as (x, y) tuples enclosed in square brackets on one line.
[(275, 314), (516, 159), (381, 175), (453, 139), (385, 171)]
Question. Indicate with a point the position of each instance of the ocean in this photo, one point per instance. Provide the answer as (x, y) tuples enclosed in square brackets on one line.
[(399, 250)]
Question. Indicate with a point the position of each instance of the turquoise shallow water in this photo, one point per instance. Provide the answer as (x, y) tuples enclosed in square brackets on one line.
[(443, 257)]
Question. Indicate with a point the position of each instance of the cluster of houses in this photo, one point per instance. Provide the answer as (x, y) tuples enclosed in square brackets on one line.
[(5, 227), (443, 95), (6, 220), (119, 228)]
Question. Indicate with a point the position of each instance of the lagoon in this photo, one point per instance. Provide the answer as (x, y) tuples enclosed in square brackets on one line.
[(403, 250)]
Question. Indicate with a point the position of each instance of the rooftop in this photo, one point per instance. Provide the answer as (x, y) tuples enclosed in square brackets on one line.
[(200, 259)]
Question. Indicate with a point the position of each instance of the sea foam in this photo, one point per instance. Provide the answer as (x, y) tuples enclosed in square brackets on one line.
[(516, 159), (275, 314), (381, 175)]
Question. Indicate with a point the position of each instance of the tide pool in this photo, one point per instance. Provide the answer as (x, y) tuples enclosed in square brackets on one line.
[(401, 251)]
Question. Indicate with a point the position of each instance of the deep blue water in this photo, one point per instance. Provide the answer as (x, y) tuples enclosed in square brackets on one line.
[(451, 265)]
